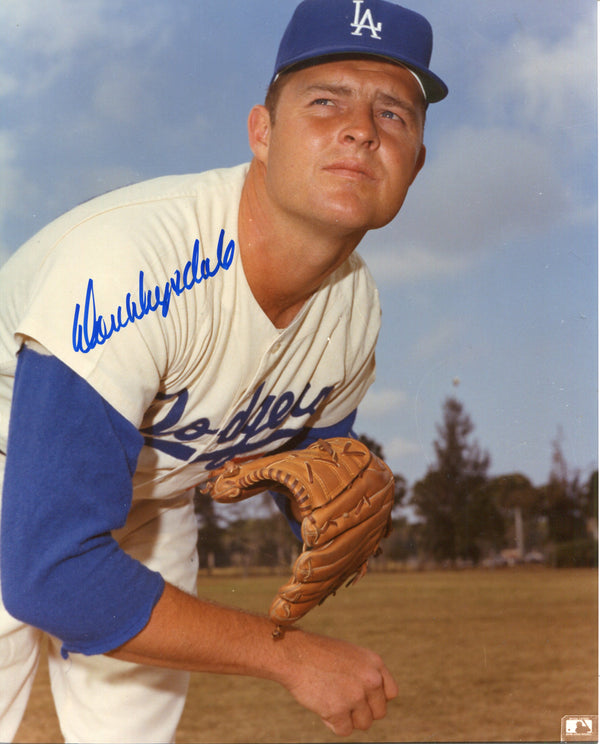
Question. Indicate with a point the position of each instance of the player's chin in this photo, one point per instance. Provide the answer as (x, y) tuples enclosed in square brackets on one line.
[(385, 214), (357, 214), (357, 222), (370, 211)]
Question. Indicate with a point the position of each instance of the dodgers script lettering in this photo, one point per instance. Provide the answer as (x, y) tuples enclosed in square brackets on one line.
[(257, 425), (95, 328)]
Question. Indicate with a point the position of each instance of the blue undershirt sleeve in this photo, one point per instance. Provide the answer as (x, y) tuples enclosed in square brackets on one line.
[(67, 485), (307, 437)]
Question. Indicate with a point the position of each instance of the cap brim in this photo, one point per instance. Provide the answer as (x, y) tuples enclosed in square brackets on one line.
[(435, 88)]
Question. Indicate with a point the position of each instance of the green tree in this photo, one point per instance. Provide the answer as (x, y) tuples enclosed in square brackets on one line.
[(565, 501), (460, 519), (211, 548), (521, 505), (591, 502), (401, 545)]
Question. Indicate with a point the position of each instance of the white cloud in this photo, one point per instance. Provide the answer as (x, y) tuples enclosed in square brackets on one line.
[(382, 402), (8, 84), (122, 99), (485, 188), (61, 27), (11, 186), (56, 26), (7, 158), (46, 40), (439, 340), (547, 85), (407, 263), (398, 448), (493, 184), (101, 179), (517, 168)]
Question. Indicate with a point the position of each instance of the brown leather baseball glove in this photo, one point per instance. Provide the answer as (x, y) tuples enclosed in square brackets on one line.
[(345, 496)]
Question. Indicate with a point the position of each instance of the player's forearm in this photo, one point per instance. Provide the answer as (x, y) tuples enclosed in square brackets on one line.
[(347, 686), (188, 633)]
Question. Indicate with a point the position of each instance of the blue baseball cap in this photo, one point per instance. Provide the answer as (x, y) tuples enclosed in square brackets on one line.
[(374, 28)]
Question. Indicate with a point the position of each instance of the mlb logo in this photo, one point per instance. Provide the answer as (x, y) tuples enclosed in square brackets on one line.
[(579, 728)]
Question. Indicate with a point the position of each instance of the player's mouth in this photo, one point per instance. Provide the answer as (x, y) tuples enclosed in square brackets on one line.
[(351, 169)]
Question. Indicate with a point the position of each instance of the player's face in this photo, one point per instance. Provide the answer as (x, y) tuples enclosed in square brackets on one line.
[(346, 143)]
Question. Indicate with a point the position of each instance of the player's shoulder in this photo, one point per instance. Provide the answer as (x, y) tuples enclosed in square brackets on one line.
[(354, 280), (360, 269), (129, 208), (352, 295), (137, 223), (160, 192), (164, 188)]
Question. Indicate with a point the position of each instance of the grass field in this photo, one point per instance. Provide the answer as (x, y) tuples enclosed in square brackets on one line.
[(478, 656)]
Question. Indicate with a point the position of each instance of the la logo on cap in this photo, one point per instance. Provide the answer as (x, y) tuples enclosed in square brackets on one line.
[(365, 22), (325, 28)]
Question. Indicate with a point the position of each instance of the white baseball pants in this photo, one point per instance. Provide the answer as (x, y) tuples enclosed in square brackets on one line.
[(99, 699)]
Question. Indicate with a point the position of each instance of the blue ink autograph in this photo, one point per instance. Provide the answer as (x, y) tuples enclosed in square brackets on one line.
[(94, 330)]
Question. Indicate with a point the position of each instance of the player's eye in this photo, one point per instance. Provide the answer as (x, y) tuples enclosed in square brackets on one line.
[(322, 102), (391, 115)]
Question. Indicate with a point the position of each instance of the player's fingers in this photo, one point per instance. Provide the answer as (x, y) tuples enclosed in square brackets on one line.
[(362, 717), (377, 702), (341, 725), (374, 705), (390, 687)]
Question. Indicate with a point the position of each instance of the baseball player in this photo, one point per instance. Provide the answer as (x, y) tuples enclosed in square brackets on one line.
[(151, 335)]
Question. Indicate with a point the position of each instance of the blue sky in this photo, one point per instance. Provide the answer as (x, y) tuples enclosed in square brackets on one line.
[(488, 276)]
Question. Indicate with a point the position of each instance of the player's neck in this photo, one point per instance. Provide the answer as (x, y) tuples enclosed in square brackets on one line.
[(285, 259)]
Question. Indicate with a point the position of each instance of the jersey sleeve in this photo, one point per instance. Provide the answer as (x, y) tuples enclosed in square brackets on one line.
[(67, 485), (109, 297)]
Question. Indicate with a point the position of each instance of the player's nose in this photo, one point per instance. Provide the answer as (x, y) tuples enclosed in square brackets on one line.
[(359, 126)]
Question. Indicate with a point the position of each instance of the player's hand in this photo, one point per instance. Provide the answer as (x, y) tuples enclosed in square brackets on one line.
[(346, 685)]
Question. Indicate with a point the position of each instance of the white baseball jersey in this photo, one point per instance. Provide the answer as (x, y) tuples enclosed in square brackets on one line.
[(142, 293)]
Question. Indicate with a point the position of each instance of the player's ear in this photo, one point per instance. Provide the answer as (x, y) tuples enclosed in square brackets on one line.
[(419, 163), (259, 131)]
